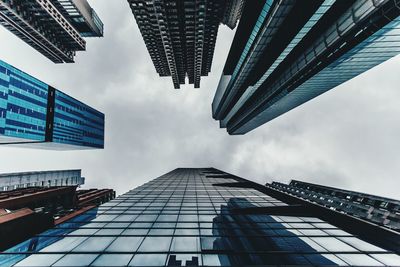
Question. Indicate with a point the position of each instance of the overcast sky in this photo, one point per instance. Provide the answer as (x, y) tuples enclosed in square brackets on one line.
[(348, 137)]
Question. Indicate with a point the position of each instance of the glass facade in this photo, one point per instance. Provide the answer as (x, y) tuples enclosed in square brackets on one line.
[(23, 105), (191, 217), (25, 118), (329, 42), (76, 123)]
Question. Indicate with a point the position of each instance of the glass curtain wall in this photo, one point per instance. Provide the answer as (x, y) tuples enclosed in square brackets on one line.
[(189, 217)]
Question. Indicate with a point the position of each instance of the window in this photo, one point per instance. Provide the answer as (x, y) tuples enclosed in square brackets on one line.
[(125, 244), (312, 232), (166, 218), (125, 218), (65, 244), (76, 260), (389, 259), (186, 231), (111, 232), (216, 260), (155, 244), (188, 218), (333, 244), (360, 244), (324, 260), (83, 231), (359, 260), (135, 232), (40, 260), (93, 244), (149, 260), (112, 260), (146, 218), (185, 244), (160, 231), (207, 243)]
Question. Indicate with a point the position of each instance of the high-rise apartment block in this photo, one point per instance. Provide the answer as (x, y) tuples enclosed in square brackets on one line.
[(285, 53), (180, 35), (54, 28), (378, 210), (12, 181), (35, 114), (207, 217)]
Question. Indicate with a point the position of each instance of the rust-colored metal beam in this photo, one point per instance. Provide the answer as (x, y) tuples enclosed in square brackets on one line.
[(93, 196), (10, 216), (73, 214), (17, 226), (19, 201)]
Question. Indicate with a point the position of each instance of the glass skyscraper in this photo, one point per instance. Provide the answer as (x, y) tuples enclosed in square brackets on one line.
[(200, 217), (35, 114), (285, 53)]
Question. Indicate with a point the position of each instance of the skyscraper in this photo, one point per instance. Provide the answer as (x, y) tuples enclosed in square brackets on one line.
[(180, 35), (288, 52), (207, 217), (35, 114), (12, 181), (378, 210), (53, 27)]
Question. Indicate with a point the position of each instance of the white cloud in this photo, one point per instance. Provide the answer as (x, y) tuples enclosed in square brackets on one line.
[(347, 137)]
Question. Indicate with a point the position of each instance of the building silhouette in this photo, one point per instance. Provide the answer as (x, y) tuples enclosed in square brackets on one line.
[(55, 28), (285, 53), (180, 35), (34, 114), (207, 217)]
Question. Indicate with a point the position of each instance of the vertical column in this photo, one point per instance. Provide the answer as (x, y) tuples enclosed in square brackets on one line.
[(50, 114)]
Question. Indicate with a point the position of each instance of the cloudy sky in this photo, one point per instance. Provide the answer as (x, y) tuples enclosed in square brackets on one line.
[(348, 137)]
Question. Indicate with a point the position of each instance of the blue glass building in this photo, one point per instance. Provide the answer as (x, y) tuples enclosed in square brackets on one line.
[(207, 217), (33, 113), (294, 51)]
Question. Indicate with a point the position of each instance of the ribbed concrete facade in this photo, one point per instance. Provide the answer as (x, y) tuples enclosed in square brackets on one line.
[(180, 35), (55, 28)]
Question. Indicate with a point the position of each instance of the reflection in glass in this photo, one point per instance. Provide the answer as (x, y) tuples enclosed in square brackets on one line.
[(148, 260), (112, 260), (125, 244), (76, 260), (154, 244), (40, 260)]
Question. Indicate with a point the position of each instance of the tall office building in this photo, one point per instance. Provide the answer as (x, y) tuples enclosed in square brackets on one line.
[(379, 210), (180, 35), (37, 115), (12, 181), (206, 217), (287, 52), (54, 28)]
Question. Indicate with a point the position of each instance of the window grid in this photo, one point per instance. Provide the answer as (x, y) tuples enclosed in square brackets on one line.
[(184, 215)]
